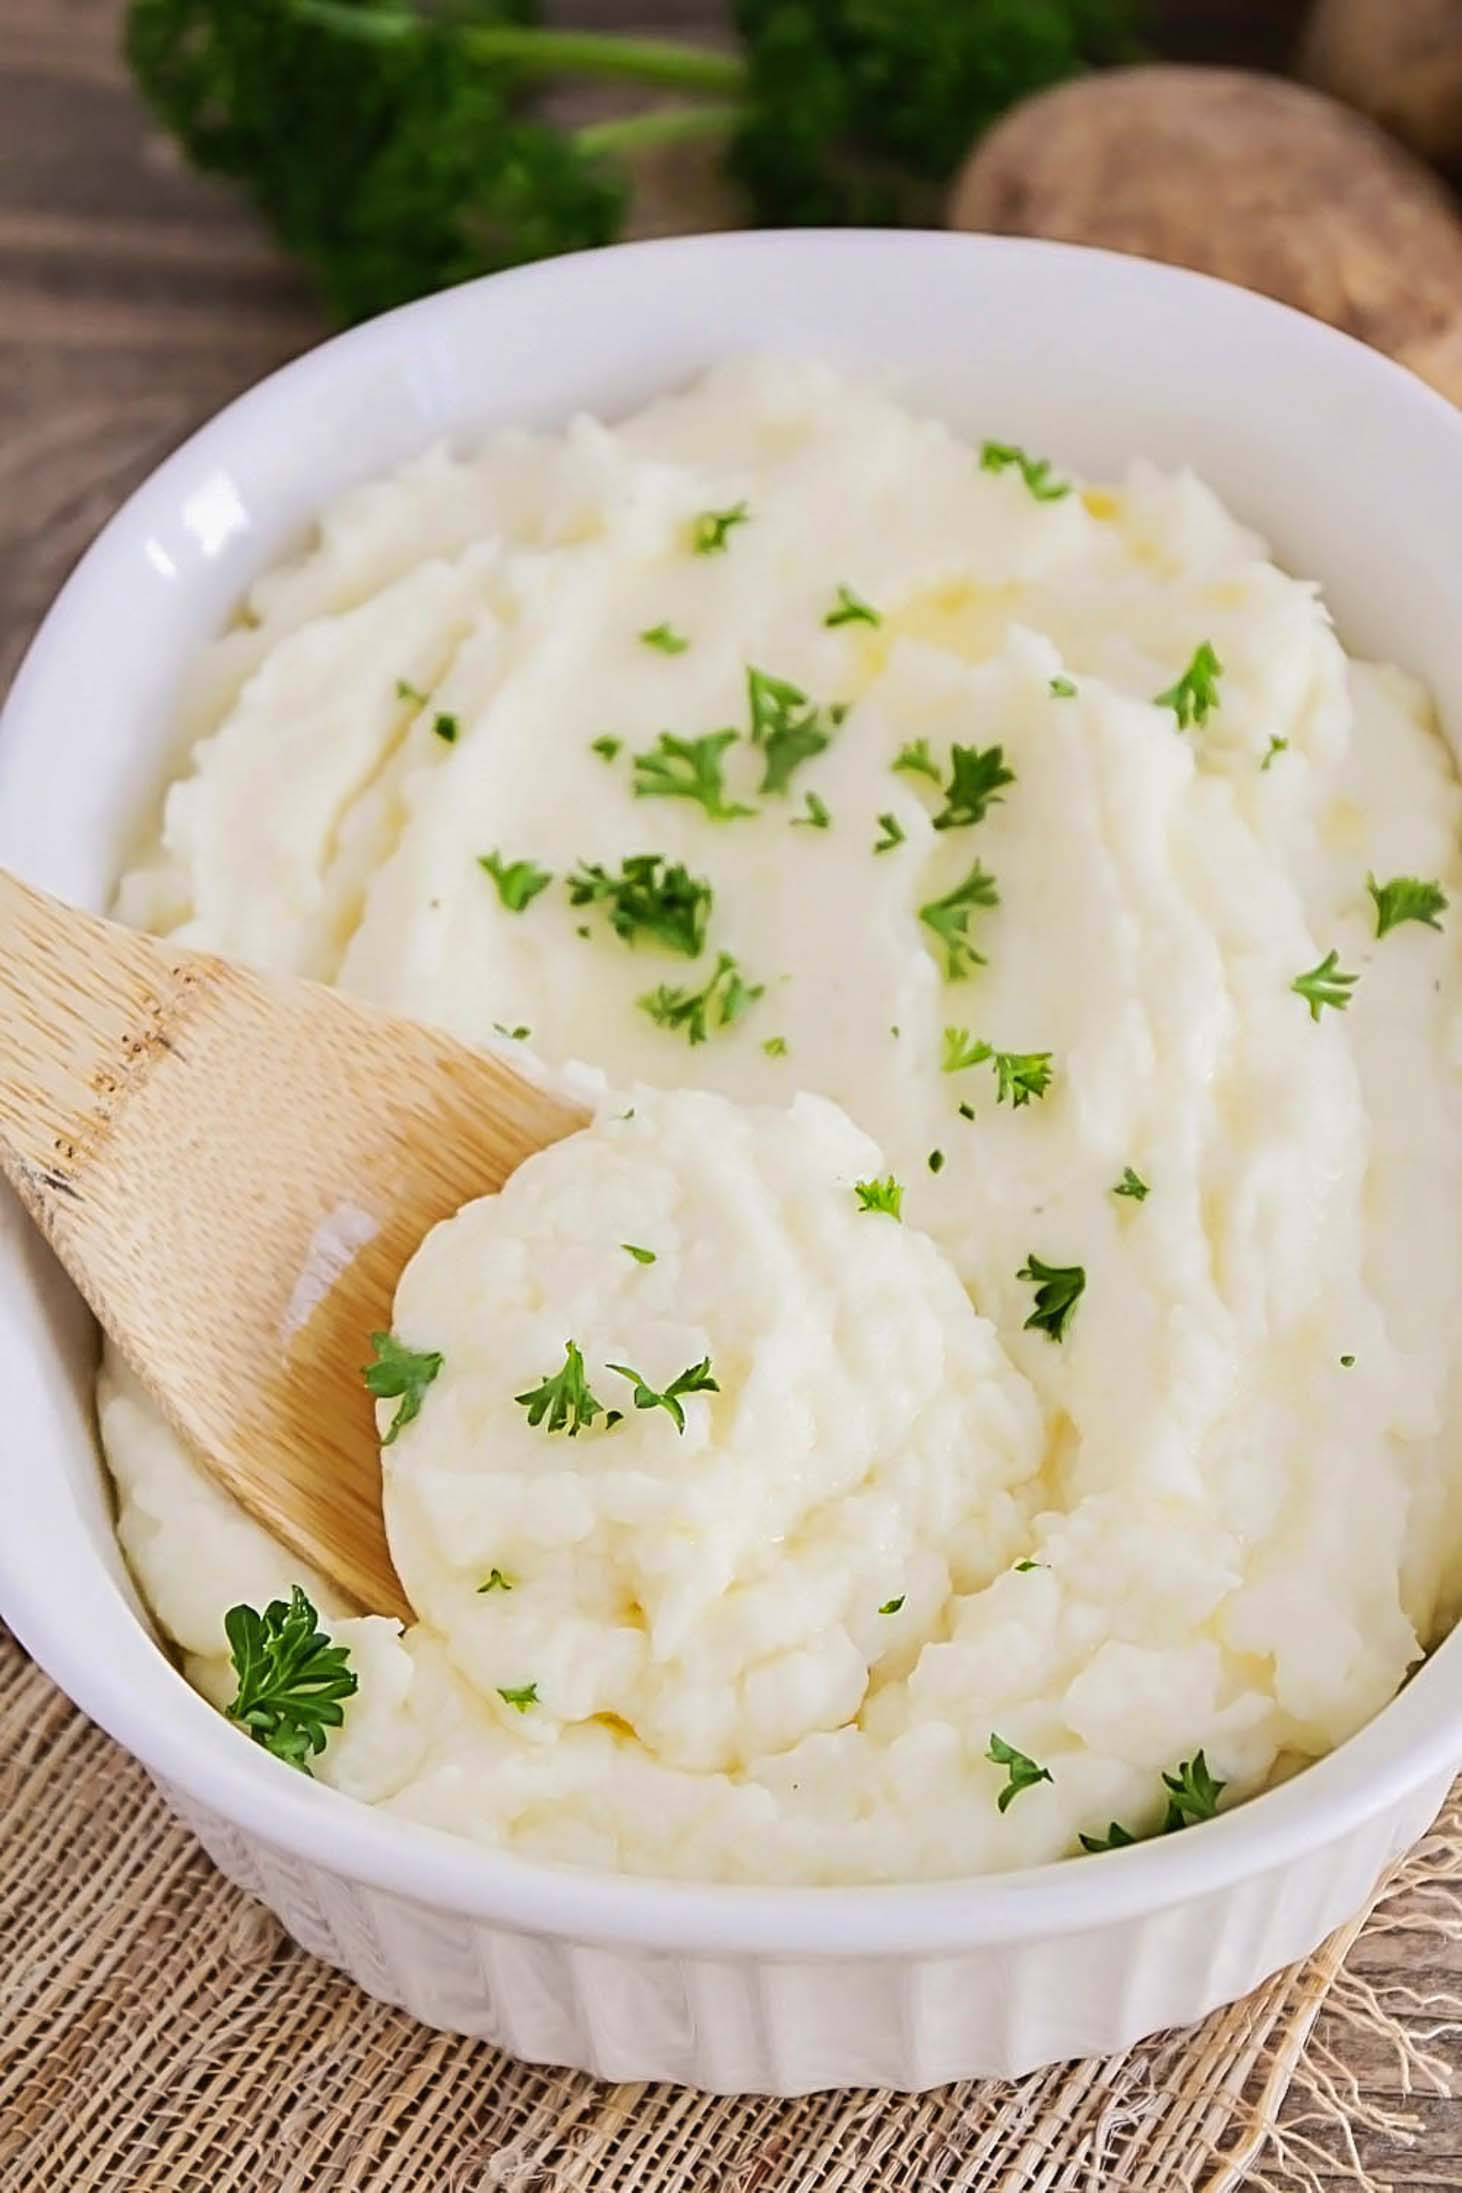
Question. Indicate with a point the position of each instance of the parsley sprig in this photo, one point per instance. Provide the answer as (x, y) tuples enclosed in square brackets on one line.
[(291, 1678), (1035, 471), (1325, 984), (1132, 1185), (1019, 1075), (398, 1370), (689, 769), (720, 1002), (1193, 1794), (886, 1196), (851, 609), (650, 898), (1406, 898), (711, 531), (916, 760), (1021, 1769), (518, 881), (975, 783), (697, 1378), (1195, 695), (949, 918), (562, 1400), (1059, 1287), (787, 727)]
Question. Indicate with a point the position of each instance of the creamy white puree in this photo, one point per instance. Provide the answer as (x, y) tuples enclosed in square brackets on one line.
[(1242, 1544)]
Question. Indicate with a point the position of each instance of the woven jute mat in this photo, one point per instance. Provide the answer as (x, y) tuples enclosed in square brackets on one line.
[(160, 2034)]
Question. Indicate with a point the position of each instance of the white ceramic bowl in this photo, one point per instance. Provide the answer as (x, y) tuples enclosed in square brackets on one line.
[(1355, 472)]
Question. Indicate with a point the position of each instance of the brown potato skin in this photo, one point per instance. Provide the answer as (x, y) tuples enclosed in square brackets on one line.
[(1400, 61), (1260, 181)]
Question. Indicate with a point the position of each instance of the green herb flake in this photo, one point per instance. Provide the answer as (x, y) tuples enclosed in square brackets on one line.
[(894, 1606), (651, 899), (518, 881), (641, 1256), (562, 1401), (1023, 1568), (1195, 695), (666, 638), (521, 1698), (1035, 471), (406, 691), (949, 918), (689, 769), (396, 1371), (607, 747), (1019, 1075), (1277, 745), (1022, 1770), (1132, 1185), (1116, 1838), (1059, 1287), (520, 1034), (446, 727), (915, 759), (967, 1111), (710, 532), (497, 1581), (880, 1195), (975, 784), (851, 609), (718, 1004), (1406, 898), (1347, 1362), (291, 1679), (775, 1047), (936, 1161), (816, 817), (696, 1379), (893, 834), (1325, 984), (1062, 689), (785, 725), (1193, 1794)]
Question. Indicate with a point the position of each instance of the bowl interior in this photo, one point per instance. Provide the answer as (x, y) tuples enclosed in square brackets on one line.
[(1352, 469)]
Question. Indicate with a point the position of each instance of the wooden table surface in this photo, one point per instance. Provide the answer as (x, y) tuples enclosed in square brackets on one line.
[(134, 301)]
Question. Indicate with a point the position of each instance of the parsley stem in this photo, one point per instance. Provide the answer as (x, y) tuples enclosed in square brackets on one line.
[(662, 126), (547, 52)]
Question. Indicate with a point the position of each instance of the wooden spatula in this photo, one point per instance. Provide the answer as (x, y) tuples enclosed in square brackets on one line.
[(234, 1171)]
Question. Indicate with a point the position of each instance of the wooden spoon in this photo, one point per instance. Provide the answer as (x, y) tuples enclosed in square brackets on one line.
[(234, 1172)]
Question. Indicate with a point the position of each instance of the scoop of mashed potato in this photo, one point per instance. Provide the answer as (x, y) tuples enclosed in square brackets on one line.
[(1074, 787)]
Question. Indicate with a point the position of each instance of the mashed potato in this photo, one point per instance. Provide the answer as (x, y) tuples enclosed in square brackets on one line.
[(1133, 1437)]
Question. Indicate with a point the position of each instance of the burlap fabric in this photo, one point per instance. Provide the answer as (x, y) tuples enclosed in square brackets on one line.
[(159, 2034)]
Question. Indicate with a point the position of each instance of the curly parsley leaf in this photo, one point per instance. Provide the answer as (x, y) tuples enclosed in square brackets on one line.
[(892, 833), (1116, 1838), (917, 761), (1035, 471), (290, 1678), (975, 784), (1195, 695), (689, 769), (1193, 1794), (1059, 1287), (606, 747), (885, 1195), (518, 881), (710, 532), (1406, 898), (521, 1697), (785, 725), (395, 1371), (1021, 1769), (650, 898), (562, 1401), (949, 918), (851, 609), (1133, 1185), (696, 1379), (721, 1001), (1325, 984)]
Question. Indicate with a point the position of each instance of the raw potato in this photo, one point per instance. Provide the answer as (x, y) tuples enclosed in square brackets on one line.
[(1264, 182), (1399, 61)]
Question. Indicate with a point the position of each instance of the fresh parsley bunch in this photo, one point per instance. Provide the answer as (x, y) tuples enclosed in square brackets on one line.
[(396, 147)]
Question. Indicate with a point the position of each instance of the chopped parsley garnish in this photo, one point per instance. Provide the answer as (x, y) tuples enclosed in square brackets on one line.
[(1063, 689), (936, 1161), (607, 747), (711, 530), (518, 881), (446, 727), (775, 1047), (406, 691), (1406, 898), (696, 1379), (1277, 745), (880, 1195), (1022, 1771), (917, 760), (721, 1001), (1195, 695), (291, 1679), (967, 1111), (1019, 1075), (651, 898), (1326, 984), (785, 725), (689, 769), (893, 833), (1035, 471), (961, 1050), (520, 1034), (894, 1606), (562, 1402), (851, 609), (521, 1698), (1347, 1362), (641, 1256), (1133, 1185), (974, 786), (1059, 1288), (949, 918), (1193, 1794), (1023, 1568), (1116, 1838), (496, 1581), (666, 638), (399, 1371), (816, 817)]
